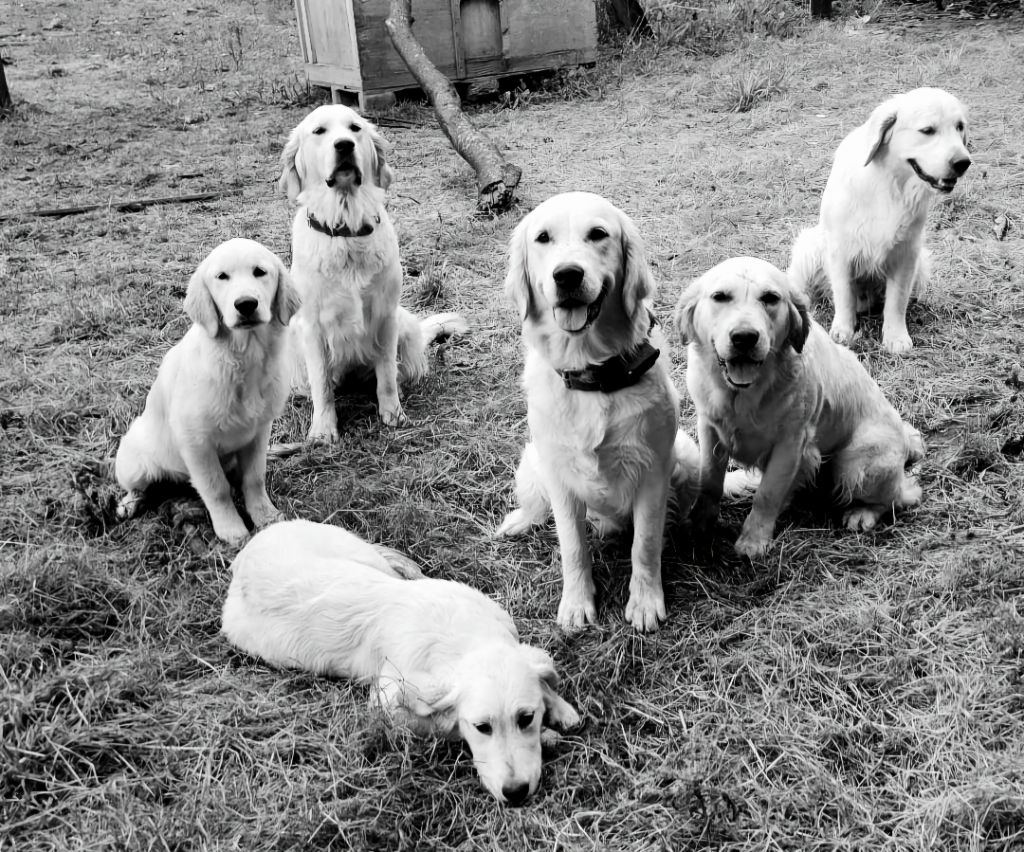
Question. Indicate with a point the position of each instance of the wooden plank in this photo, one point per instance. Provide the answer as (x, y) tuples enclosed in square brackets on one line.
[(131, 204)]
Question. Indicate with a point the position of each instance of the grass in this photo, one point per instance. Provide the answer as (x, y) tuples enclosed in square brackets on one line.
[(849, 692)]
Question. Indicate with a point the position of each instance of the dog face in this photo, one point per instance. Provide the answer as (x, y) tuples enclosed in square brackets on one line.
[(336, 149), (925, 131), (240, 285), (743, 311), (576, 267), (502, 697)]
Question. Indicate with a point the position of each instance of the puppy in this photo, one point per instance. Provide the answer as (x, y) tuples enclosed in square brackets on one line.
[(442, 657), (870, 237), (217, 390), (601, 406), (773, 391), (346, 267)]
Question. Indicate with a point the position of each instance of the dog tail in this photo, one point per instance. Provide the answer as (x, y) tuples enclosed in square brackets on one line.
[(415, 334), (739, 483), (806, 263), (915, 443), (401, 564), (442, 326), (685, 471)]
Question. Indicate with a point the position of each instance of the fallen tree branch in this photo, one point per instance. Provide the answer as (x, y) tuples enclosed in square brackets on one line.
[(496, 179), (131, 205)]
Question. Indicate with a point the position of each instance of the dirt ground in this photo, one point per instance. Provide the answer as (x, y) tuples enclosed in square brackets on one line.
[(849, 692)]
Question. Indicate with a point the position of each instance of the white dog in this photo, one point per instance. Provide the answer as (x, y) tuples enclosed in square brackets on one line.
[(346, 267), (871, 234), (443, 658), (601, 406), (772, 391), (218, 390)]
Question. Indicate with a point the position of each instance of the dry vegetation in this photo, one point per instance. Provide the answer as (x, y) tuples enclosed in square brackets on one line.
[(852, 692)]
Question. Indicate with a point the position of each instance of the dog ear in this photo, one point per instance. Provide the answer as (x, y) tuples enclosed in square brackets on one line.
[(637, 281), (199, 304), (290, 182), (880, 128), (518, 288), (286, 298), (682, 317), (799, 320), (557, 711), (382, 173)]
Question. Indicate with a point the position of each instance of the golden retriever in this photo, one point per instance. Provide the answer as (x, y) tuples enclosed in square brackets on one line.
[(870, 237), (443, 658), (774, 392), (601, 406), (346, 267), (218, 390)]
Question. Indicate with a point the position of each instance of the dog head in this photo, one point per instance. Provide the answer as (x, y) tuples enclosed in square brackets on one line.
[(925, 132), (743, 312), (240, 285), (578, 275), (501, 697)]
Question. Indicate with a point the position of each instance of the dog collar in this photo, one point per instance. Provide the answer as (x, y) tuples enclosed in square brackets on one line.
[(618, 372), (341, 230)]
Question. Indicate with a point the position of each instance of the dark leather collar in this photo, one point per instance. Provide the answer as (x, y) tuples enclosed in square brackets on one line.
[(341, 230), (618, 372)]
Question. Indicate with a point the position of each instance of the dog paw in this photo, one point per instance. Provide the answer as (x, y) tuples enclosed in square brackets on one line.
[(320, 433), (860, 519), (263, 516), (576, 611), (394, 417), (231, 531), (645, 609), (515, 523), (564, 717), (841, 333), (897, 344), (753, 545), (129, 506)]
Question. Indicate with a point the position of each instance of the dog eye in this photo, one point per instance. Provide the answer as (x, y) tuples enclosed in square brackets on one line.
[(222, 276), (543, 237), (959, 127), (317, 131), (485, 728), (770, 298), (928, 131), (258, 272), (524, 721), (355, 128), (719, 296), (597, 234)]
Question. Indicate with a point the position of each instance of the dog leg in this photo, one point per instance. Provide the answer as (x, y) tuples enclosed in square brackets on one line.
[(714, 459), (324, 426), (899, 285), (576, 608), (208, 479), (772, 495), (844, 321), (386, 369), (645, 608), (534, 505), (252, 459)]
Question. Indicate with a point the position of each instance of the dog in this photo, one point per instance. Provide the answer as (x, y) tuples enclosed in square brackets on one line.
[(870, 237), (443, 658), (218, 390), (601, 406), (346, 267), (774, 392)]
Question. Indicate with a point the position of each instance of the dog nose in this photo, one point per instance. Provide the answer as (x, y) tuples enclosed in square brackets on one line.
[(744, 340), (961, 166), (569, 276), (246, 306), (515, 793), (344, 146)]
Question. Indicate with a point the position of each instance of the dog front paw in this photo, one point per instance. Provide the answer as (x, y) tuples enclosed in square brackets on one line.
[(232, 534), (394, 417), (265, 515), (576, 610), (753, 544), (130, 505), (515, 523), (861, 519), (897, 344), (645, 609), (323, 433), (842, 333)]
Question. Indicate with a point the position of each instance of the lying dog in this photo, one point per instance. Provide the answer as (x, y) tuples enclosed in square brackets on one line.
[(601, 406), (871, 234), (346, 267), (772, 391), (217, 390), (443, 657)]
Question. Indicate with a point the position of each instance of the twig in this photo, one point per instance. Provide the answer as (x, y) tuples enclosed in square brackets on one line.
[(133, 204)]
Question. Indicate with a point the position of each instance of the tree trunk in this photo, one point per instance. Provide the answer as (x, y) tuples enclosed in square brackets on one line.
[(496, 179), (6, 104)]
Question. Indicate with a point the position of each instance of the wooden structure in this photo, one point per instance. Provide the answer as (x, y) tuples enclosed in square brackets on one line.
[(347, 49)]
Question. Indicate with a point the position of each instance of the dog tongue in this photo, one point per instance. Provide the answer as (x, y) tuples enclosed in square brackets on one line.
[(743, 372), (572, 319)]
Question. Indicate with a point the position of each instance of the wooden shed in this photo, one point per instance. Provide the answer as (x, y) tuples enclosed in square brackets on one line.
[(347, 49)]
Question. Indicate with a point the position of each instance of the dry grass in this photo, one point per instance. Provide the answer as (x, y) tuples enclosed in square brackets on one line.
[(851, 692)]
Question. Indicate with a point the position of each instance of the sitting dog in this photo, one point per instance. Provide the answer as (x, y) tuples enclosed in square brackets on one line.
[(870, 237), (443, 658), (218, 390), (774, 392), (346, 267), (601, 406)]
